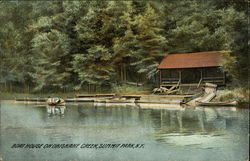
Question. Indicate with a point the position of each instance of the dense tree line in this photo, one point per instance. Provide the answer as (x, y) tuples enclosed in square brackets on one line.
[(72, 45)]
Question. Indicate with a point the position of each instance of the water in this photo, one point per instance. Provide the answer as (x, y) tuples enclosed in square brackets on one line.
[(173, 133)]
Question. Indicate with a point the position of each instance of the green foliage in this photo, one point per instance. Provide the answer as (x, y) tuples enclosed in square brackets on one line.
[(237, 61), (94, 67), (14, 48), (150, 47), (128, 89), (51, 50), (55, 45), (238, 94), (199, 28)]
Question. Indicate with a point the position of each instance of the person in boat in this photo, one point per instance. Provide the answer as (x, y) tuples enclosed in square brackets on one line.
[(55, 101)]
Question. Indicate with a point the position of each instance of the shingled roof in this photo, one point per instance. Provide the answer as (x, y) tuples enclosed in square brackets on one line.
[(191, 60)]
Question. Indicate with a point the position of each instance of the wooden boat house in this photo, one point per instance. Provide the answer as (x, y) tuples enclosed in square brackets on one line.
[(191, 69)]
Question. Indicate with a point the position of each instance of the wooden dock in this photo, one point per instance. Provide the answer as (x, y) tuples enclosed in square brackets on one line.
[(95, 95), (112, 98), (32, 99)]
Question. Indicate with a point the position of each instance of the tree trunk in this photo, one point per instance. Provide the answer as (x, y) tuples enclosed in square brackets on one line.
[(121, 73), (10, 87), (5, 86), (89, 88), (125, 73)]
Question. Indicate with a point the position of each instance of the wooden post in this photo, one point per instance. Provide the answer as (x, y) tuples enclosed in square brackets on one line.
[(201, 73), (125, 74), (121, 74), (10, 87), (160, 78), (5, 86), (200, 79), (179, 75)]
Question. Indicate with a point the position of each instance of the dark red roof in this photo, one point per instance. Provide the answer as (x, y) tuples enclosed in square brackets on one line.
[(191, 60)]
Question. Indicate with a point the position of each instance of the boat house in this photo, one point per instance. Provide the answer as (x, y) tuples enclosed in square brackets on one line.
[(191, 69)]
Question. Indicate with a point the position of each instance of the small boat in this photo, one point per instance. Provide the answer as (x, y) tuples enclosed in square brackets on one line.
[(56, 102), (234, 103)]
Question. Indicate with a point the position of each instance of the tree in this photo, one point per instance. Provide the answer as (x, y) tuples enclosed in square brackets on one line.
[(150, 43), (196, 27), (124, 45), (94, 67), (237, 61), (54, 44), (87, 42), (14, 50), (124, 48), (51, 50), (99, 32)]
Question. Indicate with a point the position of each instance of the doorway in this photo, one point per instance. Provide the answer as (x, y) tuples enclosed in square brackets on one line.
[(190, 76)]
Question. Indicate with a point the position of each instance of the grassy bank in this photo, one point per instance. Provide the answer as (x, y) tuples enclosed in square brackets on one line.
[(8, 95), (241, 95), (128, 89)]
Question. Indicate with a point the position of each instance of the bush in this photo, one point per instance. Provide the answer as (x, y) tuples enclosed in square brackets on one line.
[(128, 89), (237, 94)]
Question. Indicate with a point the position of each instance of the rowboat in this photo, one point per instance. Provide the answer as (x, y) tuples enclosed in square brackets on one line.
[(234, 103), (56, 102)]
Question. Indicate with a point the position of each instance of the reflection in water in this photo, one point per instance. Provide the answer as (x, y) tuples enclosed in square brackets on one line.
[(182, 126), (183, 121), (206, 128), (172, 133), (55, 110)]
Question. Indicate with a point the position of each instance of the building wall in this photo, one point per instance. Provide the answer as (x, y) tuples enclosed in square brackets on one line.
[(192, 75)]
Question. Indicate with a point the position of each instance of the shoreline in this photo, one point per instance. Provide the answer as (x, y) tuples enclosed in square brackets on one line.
[(157, 106), (159, 99), (221, 96)]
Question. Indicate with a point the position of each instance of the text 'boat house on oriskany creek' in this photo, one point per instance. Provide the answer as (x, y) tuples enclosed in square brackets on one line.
[(192, 69)]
